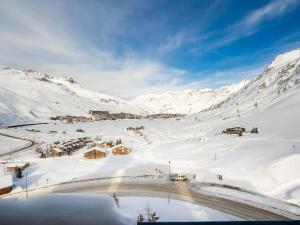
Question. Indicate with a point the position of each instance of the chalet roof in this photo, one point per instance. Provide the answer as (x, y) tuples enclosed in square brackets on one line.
[(94, 148), (58, 149), (16, 164), (121, 145)]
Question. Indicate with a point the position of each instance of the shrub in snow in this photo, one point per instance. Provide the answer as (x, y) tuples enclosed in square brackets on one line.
[(70, 80), (80, 130), (254, 130)]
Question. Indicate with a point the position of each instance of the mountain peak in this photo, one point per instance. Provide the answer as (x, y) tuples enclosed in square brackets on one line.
[(285, 58)]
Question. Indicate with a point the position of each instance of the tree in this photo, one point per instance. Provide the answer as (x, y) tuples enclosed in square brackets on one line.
[(254, 130), (118, 142), (19, 173), (140, 218), (153, 217)]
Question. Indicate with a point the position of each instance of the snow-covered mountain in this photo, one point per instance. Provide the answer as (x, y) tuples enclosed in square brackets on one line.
[(187, 101), (27, 95), (275, 87), (279, 76), (268, 161)]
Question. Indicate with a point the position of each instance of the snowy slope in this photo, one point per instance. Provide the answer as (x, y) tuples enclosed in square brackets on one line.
[(266, 163), (28, 96), (269, 161), (187, 101), (271, 89)]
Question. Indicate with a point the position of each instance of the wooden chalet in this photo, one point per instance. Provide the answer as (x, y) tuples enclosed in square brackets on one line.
[(235, 130), (54, 152), (94, 154), (13, 167), (121, 150), (105, 144)]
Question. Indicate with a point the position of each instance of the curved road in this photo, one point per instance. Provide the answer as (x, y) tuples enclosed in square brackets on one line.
[(173, 190), (32, 143)]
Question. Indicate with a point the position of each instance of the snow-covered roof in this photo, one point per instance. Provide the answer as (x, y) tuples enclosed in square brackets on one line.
[(57, 149), (63, 209), (121, 145), (16, 164), (6, 181), (95, 148)]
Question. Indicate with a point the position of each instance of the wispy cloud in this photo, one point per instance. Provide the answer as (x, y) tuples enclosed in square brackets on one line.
[(250, 24), (195, 32), (216, 79), (28, 39), (99, 48)]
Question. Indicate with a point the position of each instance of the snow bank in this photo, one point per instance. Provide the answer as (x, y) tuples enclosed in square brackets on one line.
[(67, 209), (170, 210), (6, 180)]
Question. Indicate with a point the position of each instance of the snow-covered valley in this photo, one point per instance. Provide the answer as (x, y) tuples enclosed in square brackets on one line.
[(266, 163)]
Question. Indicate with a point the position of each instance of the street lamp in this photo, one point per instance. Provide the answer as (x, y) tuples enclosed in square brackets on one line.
[(26, 185), (169, 169)]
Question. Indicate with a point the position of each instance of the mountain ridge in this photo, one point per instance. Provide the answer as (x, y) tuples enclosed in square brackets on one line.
[(28, 95)]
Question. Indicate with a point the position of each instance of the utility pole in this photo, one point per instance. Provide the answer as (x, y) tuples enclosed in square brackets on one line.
[(148, 212)]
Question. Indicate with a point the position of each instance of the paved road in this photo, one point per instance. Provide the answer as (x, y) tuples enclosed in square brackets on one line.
[(32, 143), (179, 191)]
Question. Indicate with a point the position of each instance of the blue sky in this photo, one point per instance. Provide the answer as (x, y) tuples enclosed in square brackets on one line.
[(129, 48)]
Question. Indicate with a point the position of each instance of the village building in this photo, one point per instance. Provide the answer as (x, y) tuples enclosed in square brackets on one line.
[(105, 144), (6, 181), (99, 114), (13, 167), (235, 130), (54, 152), (70, 146), (94, 154), (121, 150), (106, 115), (163, 116)]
